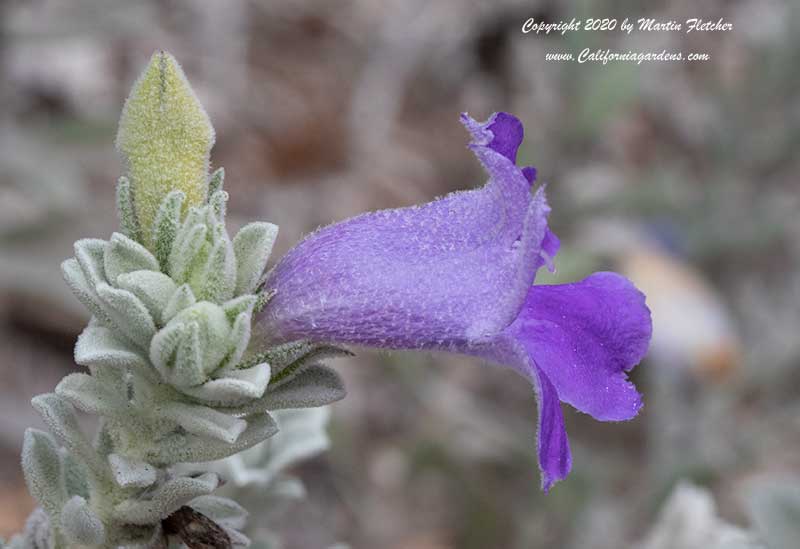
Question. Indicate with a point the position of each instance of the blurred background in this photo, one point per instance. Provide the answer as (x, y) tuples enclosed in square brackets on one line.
[(683, 176)]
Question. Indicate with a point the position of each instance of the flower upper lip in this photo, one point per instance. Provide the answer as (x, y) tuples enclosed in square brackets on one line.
[(464, 259)]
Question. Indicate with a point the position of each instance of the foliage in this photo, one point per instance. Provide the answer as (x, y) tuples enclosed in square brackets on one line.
[(169, 373)]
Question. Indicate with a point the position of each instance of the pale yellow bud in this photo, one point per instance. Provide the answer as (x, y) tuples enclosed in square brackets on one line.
[(165, 138)]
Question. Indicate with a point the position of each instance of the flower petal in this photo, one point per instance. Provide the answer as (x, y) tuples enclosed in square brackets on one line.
[(530, 174), (502, 133), (433, 276), (584, 337), (555, 459)]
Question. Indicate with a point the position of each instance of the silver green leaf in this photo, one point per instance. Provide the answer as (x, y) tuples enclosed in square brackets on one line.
[(302, 435), (163, 351), (192, 345), (223, 511), (165, 227), (129, 315), (218, 200), (99, 346), (187, 246), (183, 298), (216, 280), (80, 525), (165, 500), (89, 395), (123, 255), (90, 254), (253, 246), (188, 368), (289, 359), (152, 288), (186, 448), (239, 338), (128, 222), (234, 389), (131, 473), (80, 287), (59, 416), (204, 421), (238, 305), (315, 386), (216, 181), (283, 371), (41, 464), (75, 475)]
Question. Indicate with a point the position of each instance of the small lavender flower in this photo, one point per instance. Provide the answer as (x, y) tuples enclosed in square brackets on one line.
[(457, 275)]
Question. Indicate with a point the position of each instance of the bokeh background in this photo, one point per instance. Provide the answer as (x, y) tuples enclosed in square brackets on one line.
[(684, 176)]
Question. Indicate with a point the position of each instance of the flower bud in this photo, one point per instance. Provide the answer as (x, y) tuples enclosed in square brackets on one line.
[(165, 138)]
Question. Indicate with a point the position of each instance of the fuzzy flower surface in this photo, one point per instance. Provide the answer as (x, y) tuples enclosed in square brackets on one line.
[(457, 274)]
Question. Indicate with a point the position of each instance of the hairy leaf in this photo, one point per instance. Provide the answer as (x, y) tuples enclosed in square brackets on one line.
[(253, 245)]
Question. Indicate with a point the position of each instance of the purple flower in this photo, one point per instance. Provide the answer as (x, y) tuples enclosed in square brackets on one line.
[(457, 274)]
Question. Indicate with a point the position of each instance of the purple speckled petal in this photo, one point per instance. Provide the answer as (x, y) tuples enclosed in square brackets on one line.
[(439, 275), (555, 459), (550, 246), (507, 135), (502, 133), (575, 342), (530, 174), (585, 337)]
